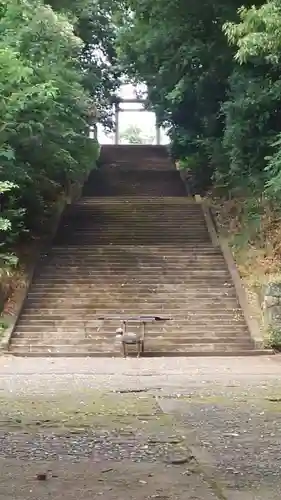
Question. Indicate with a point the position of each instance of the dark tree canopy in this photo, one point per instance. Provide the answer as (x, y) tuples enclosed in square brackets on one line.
[(213, 75), (58, 73)]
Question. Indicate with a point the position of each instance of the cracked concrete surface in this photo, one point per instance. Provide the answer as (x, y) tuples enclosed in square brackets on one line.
[(134, 415)]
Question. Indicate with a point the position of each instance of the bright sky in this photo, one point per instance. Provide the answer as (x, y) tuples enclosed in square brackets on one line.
[(145, 120)]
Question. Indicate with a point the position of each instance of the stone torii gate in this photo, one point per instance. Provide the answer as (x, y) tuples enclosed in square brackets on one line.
[(118, 109)]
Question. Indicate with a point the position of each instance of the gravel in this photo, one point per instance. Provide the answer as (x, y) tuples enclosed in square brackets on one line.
[(82, 445)]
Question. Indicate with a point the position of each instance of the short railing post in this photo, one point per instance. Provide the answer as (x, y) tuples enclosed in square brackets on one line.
[(95, 131), (116, 123), (158, 133)]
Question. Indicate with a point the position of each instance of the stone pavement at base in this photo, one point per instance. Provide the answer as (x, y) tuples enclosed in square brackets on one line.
[(169, 429)]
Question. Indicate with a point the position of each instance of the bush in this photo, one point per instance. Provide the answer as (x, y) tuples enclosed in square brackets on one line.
[(44, 113), (274, 339)]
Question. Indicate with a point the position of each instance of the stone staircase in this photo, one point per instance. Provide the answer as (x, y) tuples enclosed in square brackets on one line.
[(133, 245)]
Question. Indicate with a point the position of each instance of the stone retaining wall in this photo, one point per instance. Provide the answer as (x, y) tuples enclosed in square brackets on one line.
[(272, 307), (6, 286)]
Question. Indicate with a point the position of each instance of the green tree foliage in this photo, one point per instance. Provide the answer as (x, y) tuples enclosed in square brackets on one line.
[(213, 75), (135, 135), (97, 28), (46, 104), (253, 111), (180, 51), (95, 24)]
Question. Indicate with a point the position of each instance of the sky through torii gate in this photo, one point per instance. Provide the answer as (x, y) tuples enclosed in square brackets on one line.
[(132, 114)]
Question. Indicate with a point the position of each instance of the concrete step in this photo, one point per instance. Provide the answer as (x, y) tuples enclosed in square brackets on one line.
[(111, 284), (74, 339), (213, 330), (43, 352), (188, 249), (132, 219), (140, 274), (136, 268), (143, 279), (185, 327), (130, 285), (92, 226), (164, 345), (92, 240), (151, 346), (191, 298), (191, 315), (135, 262), (118, 259), (138, 200), (99, 308), (144, 275), (104, 351), (178, 316), (153, 207), (105, 240), (94, 324), (126, 285), (131, 230), (82, 337), (129, 260), (116, 297)]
